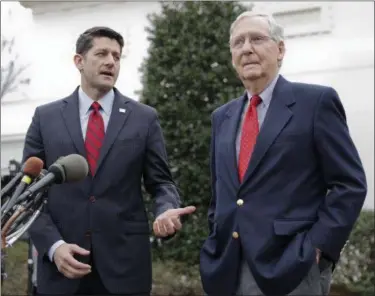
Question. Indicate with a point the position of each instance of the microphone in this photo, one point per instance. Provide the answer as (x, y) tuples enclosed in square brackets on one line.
[(11, 183), (35, 199), (29, 207), (71, 168), (33, 167), (29, 168)]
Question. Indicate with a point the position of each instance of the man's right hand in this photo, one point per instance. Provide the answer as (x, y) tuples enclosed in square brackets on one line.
[(67, 264)]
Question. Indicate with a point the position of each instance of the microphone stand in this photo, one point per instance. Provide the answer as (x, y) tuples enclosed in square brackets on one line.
[(18, 223), (3, 273)]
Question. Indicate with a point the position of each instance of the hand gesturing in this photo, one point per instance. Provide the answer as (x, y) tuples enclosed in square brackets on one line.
[(169, 222)]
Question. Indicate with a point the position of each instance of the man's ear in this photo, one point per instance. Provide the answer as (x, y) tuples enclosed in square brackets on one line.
[(78, 61), (281, 53)]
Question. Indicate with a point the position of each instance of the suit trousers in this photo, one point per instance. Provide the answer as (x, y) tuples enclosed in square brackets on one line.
[(316, 283), (92, 284)]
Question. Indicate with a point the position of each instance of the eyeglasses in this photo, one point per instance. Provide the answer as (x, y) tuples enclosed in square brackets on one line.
[(255, 40)]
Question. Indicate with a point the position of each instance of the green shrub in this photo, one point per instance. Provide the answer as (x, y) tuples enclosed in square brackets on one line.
[(175, 279), (356, 267), (187, 74)]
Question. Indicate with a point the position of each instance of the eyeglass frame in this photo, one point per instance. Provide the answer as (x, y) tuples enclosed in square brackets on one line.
[(257, 40)]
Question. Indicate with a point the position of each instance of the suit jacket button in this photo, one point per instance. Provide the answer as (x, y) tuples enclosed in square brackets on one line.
[(240, 202), (235, 234), (92, 198), (88, 233)]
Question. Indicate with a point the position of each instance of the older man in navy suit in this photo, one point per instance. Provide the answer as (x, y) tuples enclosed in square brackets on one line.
[(287, 181), (93, 237)]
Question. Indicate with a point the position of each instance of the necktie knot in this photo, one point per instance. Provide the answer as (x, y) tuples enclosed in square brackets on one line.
[(255, 100), (96, 106)]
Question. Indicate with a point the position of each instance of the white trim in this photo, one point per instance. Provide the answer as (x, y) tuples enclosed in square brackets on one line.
[(29, 101), (46, 6), (8, 100), (12, 138), (323, 25)]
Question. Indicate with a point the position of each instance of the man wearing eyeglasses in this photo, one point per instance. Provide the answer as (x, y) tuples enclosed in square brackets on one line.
[(287, 181)]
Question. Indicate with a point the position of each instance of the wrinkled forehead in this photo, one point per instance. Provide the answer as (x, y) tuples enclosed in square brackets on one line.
[(105, 43), (251, 25)]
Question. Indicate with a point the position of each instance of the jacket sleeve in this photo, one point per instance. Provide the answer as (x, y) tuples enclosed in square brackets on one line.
[(43, 231), (156, 173), (343, 173)]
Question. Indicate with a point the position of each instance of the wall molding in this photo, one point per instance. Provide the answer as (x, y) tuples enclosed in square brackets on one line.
[(300, 19), (9, 138), (47, 6)]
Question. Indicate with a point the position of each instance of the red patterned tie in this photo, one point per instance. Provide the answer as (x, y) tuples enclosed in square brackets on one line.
[(94, 136), (250, 130)]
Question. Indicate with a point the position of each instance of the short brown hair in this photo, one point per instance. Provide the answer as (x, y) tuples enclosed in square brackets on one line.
[(84, 41)]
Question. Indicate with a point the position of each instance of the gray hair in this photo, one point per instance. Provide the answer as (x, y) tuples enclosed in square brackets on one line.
[(276, 30)]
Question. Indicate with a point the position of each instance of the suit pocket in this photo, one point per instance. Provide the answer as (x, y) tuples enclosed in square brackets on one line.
[(291, 227)]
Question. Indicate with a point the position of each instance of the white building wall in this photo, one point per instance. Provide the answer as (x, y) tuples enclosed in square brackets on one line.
[(342, 57)]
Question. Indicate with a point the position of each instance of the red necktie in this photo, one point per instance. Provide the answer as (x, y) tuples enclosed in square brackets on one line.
[(250, 130), (94, 136)]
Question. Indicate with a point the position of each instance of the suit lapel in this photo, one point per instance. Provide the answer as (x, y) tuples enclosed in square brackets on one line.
[(70, 113), (115, 124), (278, 115), (233, 117)]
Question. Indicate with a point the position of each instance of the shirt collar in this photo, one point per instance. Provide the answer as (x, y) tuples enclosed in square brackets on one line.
[(105, 102), (266, 94)]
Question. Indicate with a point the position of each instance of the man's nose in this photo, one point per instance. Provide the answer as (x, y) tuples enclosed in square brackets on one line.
[(247, 47), (110, 60)]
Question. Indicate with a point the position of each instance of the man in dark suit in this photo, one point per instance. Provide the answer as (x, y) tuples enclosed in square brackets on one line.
[(287, 181), (93, 237)]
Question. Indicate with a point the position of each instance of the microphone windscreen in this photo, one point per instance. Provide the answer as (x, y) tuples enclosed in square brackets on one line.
[(33, 166), (58, 171), (75, 166)]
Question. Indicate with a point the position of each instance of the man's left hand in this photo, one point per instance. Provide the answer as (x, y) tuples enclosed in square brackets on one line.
[(169, 222)]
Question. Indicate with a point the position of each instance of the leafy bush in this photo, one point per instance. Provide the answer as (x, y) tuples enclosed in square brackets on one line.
[(356, 267), (187, 74), (175, 279)]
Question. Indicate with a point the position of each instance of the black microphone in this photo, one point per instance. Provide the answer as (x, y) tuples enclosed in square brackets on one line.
[(31, 167), (11, 184), (30, 205), (35, 199), (70, 168)]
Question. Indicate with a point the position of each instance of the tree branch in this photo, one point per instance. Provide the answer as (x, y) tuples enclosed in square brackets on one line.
[(11, 72)]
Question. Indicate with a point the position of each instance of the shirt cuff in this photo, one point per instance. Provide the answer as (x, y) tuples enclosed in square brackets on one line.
[(52, 250)]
